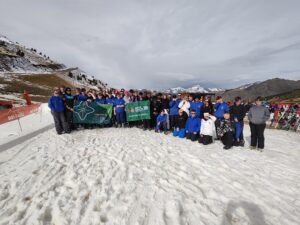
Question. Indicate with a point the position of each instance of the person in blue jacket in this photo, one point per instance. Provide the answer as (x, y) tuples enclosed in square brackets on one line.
[(100, 99), (83, 96), (197, 106), (56, 105), (173, 104), (120, 110), (192, 126), (161, 122), (111, 99), (220, 108)]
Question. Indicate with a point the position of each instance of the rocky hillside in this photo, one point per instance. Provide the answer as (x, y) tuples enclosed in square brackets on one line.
[(17, 58), (291, 96), (23, 69), (266, 88)]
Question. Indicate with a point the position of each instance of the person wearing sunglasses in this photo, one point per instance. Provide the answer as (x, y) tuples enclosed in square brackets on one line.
[(69, 99)]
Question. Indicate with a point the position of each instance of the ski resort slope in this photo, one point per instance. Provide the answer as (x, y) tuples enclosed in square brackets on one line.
[(134, 177)]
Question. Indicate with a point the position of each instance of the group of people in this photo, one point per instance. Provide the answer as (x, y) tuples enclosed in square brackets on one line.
[(285, 116), (186, 116)]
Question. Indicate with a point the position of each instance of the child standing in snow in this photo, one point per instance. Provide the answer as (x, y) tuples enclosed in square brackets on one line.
[(192, 126), (226, 131), (161, 122), (208, 129)]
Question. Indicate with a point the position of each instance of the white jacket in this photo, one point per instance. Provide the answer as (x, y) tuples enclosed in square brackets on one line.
[(208, 126), (185, 106)]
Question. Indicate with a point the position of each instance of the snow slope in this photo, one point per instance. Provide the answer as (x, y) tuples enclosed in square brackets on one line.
[(132, 177), (11, 131)]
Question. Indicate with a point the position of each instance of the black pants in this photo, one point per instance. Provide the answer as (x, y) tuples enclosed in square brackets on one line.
[(228, 139), (205, 139), (69, 119), (162, 126), (153, 120), (217, 124), (172, 121), (60, 122), (147, 124), (191, 136), (257, 135)]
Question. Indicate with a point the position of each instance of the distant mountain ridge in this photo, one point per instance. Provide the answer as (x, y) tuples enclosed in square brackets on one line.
[(17, 58), (266, 88), (194, 89)]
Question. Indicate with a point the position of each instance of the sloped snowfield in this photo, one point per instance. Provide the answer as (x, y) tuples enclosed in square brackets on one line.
[(132, 177)]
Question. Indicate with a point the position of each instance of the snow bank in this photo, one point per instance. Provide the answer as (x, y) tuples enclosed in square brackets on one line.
[(131, 177), (11, 130)]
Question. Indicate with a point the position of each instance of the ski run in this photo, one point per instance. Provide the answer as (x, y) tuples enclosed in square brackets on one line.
[(134, 177)]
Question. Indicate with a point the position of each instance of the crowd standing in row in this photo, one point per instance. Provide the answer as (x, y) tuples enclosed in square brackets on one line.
[(186, 116)]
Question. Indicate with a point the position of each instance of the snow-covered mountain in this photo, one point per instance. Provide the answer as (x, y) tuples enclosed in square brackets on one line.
[(247, 85), (194, 89), (15, 57)]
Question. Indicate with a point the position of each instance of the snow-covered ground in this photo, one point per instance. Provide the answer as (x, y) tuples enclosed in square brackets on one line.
[(11, 130), (134, 177)]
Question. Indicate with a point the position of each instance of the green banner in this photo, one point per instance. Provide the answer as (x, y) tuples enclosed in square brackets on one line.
[(138, 111), (92, 113)]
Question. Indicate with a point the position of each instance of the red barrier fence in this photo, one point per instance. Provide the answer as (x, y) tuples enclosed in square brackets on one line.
[(15, 113)]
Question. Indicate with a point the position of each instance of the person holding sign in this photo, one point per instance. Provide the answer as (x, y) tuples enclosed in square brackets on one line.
[(120, 110)]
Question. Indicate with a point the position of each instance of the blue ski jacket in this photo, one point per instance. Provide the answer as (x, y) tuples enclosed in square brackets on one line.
[(161, 118), (82, 97), (220, 109), (174, 107), (111, 101), (101, 100), (120, 102), (193, 124), (56, 104), (197, 106)]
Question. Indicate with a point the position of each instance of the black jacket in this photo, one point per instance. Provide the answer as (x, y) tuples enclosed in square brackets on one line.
[(68, 102), (180, 121), (238, 112), (207, 109), (155, 105), (165, 104)]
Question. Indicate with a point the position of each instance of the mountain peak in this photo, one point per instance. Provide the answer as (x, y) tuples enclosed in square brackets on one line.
[(194, 89)]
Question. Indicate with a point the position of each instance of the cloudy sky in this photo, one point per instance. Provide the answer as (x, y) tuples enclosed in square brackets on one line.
[(163, 43)]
